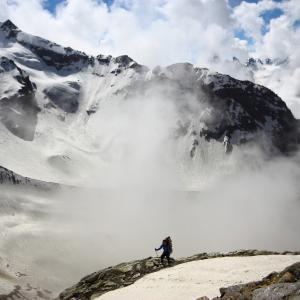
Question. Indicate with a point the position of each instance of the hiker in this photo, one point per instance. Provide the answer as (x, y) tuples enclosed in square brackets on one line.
[(227, 144), (167, 250)]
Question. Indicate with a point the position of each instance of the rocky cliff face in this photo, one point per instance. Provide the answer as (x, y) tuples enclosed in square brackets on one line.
[(126, 274), (238, 110)]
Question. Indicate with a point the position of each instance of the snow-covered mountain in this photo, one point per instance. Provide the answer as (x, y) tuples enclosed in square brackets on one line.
[(281, 75), (52, 98)]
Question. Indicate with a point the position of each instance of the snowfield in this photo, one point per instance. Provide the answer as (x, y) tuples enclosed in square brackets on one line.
[(192, 280)]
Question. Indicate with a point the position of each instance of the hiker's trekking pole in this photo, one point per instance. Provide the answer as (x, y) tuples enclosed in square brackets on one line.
[(156, 253)]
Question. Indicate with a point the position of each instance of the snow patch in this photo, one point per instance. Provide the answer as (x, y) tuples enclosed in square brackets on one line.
[(192, 280)]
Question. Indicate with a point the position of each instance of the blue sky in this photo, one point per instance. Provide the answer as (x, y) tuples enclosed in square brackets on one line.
[(51, 4), (237, 2)]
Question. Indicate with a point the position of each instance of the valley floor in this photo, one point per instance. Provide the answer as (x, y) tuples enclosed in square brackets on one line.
[(192, 280)]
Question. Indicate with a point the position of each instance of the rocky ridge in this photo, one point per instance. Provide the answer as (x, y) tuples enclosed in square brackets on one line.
[(126, 274), (9, 177), (50, 53), (237, 110)]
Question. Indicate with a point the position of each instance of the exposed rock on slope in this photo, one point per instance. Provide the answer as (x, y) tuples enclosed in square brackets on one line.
[(126, 274), (238, 110), (9, 177), (65, 96), (18, 106), (276, 286)]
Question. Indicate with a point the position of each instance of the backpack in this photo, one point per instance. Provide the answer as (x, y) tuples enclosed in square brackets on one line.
[(169, 243)]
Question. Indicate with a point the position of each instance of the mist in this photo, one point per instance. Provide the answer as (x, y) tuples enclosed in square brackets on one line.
[(128, 156), (141, 184)]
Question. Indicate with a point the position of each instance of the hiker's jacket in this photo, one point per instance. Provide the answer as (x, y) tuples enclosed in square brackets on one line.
[(167, 248)]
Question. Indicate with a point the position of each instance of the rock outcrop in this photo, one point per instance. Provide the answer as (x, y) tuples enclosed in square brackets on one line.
[(276, 286), (126, 274), (18, 106), (65, 96), (9, 177)]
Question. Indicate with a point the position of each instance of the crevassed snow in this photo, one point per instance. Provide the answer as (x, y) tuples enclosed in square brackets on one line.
[(192, 280)]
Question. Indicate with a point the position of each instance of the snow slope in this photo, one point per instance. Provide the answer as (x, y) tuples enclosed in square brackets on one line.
[(91, 113), (201, 278)]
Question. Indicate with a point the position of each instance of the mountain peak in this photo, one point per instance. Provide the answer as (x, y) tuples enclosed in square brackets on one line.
[(8, 24)]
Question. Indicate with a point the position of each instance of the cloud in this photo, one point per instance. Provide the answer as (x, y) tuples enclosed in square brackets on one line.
[(153, 32), (281, 42), (162, 32), (245, 188), (248, 18)]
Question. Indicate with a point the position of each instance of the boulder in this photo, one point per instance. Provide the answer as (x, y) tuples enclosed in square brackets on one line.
[(275, 286), (278, 291)]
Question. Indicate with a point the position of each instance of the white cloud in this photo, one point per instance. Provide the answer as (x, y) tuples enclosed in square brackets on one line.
[(158, 31), (167, 31), (282, 41), (153, 32), (248, 17)]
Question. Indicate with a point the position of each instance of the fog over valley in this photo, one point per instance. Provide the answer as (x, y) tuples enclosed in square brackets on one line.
[(102, 156)]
